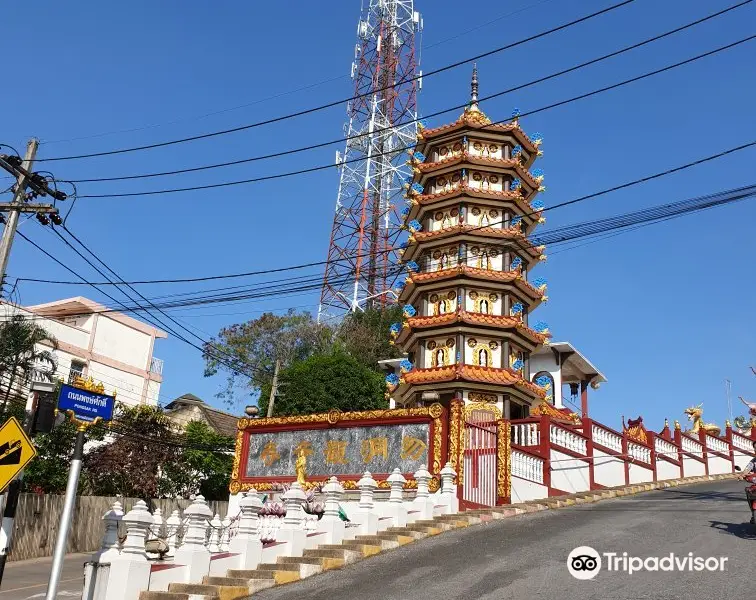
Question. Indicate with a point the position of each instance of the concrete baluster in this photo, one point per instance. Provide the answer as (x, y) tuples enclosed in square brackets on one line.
[(130, 570), (331, 522), (449, 497), (366, 516), (215, 534), (193, 553), (225, 534), (156, 531), (172, 525), (247, 542), (396, 508), (423, 502), (109, 549), (292, 531)]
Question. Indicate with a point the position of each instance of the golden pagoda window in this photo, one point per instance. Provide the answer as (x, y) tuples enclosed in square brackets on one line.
[(440, 355), (442, 304), (484, 358), (443, 152), (457, 148)]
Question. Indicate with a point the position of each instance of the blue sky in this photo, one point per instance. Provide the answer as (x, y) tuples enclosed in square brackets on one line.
[(665, 312)]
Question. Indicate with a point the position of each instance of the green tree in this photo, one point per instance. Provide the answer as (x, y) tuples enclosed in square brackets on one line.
[(247, 352), (365, 335), (205, 463), (325, 381), (134, 464), (20, 358), (48, 472)]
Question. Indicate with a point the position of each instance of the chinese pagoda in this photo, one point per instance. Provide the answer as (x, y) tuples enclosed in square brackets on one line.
[(467, 297)]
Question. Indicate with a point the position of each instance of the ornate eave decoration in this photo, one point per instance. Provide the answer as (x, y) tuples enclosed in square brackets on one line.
[(544, 408)]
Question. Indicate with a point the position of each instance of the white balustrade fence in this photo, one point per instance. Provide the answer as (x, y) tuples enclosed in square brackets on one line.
[(718, 445), (665, 447), (639, 452), (691, 446), (741, 442), (526, 434), (567, 439), (607, 438), (527, 467)]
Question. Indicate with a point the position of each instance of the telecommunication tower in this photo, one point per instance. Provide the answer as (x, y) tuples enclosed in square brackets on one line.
[(361, 267)]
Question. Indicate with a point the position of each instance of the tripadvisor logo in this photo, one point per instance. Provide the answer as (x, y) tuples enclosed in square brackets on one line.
[(585, 563)]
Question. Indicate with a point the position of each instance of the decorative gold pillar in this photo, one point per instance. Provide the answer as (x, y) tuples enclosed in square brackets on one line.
[(503, 462), (456, 441)]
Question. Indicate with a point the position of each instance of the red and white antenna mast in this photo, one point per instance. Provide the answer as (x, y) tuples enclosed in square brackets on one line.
[(361, 268)]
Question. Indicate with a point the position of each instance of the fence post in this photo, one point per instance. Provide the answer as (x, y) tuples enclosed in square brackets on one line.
[(292, 529), (247, 542), (545, 427), (626, 456), (396, 508), (130, 570), (225, 534), (423, 502), (193, 553), (587, 425), (652, 446), (503, 461), (448, 489), (366, 516), (215, 534), (678, 442), (172, 525), (728, 438), (704, 449), (331, 522), (109, 547)]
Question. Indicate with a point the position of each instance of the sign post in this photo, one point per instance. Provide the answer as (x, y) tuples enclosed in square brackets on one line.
[(85, 408)]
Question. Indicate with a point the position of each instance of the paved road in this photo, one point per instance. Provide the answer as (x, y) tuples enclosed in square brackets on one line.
[(27, 579), (525, 557)]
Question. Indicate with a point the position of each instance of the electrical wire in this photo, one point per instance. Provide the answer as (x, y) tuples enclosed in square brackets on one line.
[(354, 97), (563, 235), (329, 166), (378, 130), (577, 200)]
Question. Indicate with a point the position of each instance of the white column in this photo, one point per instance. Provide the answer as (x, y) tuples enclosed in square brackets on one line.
[(423, 502), (215, 534), (130, 570), (172, 525), (331, 522), (365, 515), (449, 497), (247, 542), (193, 553), (396, 508), (292, 529), (109, 548), (157, 524)]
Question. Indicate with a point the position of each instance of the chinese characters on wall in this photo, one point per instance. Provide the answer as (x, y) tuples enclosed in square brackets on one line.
[(340, 451)]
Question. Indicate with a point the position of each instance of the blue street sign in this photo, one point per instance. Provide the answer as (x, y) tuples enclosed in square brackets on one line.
[(86, 406)]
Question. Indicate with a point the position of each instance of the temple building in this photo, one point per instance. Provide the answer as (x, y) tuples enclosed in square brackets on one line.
[(468, 296)]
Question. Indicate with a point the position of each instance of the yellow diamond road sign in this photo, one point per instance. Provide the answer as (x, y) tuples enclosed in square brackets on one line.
[(16, 450)]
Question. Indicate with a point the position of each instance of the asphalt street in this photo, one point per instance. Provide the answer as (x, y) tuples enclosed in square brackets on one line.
[(526, 556), (27, 579)]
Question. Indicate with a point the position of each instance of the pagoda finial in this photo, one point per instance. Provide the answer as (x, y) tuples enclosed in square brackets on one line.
[(474, 86)]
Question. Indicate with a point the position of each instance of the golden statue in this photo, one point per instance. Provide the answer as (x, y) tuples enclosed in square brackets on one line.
[(301, 467), (694, 414)]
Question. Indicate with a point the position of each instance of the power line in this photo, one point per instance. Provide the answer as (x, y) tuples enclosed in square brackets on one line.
[(354, 97), (587, 229), (329, 166), (533, 82), (577, 200)]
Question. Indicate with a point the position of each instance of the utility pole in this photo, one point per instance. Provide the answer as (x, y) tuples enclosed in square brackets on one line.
[(274, 389), (25, 178), (18, 200)]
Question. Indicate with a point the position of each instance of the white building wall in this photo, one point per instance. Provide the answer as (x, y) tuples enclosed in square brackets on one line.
[(692, 467), (719, 465), (741, 458), (523, 490), (608, 470), (569, 474), (666, 470), (639, 474), (119, 342), (153, 392), (128, 386), (547, 362)]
